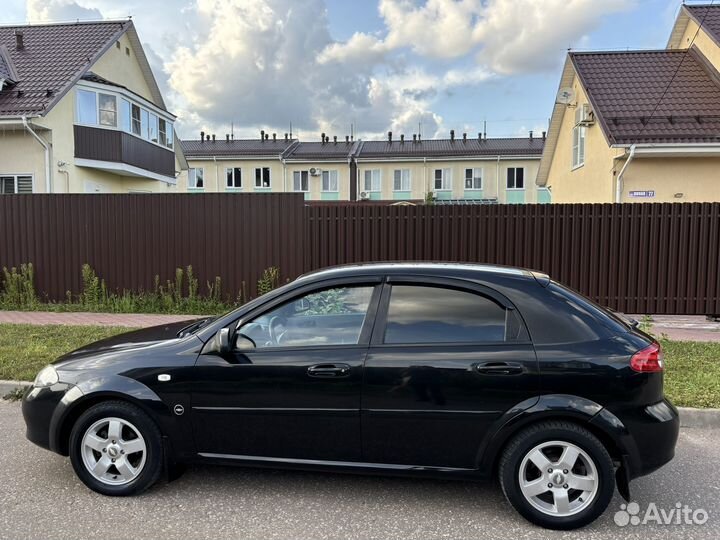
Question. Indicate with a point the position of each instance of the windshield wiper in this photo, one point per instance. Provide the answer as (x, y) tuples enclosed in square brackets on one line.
[(197, 325)]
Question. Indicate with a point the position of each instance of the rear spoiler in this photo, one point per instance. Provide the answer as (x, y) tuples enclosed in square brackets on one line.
[(542, 279)]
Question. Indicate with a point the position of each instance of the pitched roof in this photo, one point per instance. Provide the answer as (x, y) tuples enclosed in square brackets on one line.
[(235, 147), (708, 16), (53, 58), (320, 151), (452, 148), (670, 96)]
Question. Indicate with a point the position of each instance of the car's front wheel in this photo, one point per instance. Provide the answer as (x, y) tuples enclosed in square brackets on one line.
[(116, 449), (557, 475)]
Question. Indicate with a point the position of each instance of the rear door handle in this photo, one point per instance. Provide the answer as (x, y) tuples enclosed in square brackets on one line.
[(499, 368), (329, 370)]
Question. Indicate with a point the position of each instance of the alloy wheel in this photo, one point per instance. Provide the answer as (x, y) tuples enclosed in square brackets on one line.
[(113, 451)]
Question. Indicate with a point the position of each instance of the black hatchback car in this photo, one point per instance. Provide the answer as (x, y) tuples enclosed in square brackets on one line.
[(450, 370)]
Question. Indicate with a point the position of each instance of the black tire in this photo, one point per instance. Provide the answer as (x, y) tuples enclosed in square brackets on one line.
[(529, 438), (153, 464)]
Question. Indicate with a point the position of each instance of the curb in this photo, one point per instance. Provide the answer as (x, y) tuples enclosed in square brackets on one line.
[(690, 417)]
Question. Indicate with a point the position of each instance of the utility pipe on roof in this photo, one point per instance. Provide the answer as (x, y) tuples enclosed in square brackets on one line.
[(619, 184), (46, 148)]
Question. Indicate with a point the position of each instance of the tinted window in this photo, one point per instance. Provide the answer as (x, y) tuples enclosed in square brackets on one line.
[(328, 317), (419, 314)]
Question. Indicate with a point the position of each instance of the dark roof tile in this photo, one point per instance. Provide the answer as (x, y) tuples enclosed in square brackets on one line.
[(453, 148), (320, 151), (709, 17), (53, 57), (235, 147), (652, 96)]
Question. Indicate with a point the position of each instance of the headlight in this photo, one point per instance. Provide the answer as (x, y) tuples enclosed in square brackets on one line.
[(47, 377)]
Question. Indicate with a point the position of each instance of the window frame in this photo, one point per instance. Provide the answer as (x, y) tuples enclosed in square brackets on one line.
[(330, 173), (300, 175), (578, 147), (255, 180), (372, 180), (359, 281), (402, 179), (474, 176), (16, 177), (194, 170), (100, 110), (507, 179), (445, 179), (232, 171), (378, 336)]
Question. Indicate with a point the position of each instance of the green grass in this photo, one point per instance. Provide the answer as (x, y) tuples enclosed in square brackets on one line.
[(692, 376), (692, 373), (25, 348)]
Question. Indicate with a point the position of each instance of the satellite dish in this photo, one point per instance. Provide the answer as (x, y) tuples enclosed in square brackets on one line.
[(565, 96)]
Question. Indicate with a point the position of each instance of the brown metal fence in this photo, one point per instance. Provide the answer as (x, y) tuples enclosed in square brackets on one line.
[(637, 258)]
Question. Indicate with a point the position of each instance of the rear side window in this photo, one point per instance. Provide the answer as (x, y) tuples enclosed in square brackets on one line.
[(423, 314)]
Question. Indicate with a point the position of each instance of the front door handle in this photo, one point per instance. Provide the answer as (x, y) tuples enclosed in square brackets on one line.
[(499, 368), (329, 370)]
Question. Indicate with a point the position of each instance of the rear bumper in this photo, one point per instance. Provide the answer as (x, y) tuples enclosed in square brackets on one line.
[(646, 435)]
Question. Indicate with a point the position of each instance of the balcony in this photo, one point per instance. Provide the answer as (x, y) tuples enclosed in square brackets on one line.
[(124, 154)]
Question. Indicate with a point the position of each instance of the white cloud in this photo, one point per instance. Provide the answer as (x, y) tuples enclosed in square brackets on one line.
[(59, 10)]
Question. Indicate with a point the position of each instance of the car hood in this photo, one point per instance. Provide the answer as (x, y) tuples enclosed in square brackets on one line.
[(117, 346)]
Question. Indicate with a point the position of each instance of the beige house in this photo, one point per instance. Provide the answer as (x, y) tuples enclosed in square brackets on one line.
[(456, 169), (640, 126), (80, 112)]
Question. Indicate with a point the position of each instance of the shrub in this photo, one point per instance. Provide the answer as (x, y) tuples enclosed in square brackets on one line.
[(18, 288)]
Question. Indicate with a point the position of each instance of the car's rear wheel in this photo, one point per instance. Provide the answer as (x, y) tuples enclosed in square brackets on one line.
[(116, 449), (557, 475)]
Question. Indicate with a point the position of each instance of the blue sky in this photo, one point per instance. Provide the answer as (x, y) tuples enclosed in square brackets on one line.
[(377, 64)]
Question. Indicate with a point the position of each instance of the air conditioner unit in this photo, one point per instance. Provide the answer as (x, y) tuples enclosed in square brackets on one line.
[(314, 171), (584, 115), (364, 195)]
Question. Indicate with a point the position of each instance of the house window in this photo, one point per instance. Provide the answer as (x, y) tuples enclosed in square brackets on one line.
[(153, 128), (473, 178), (162, 132), (136, 121), (125, 115), (300, 181), (196, 178), (578, 140), (144, 124), (13, 183), (329, 181), (86, 107), (443, 181), (262, 177), (170, 137), (107, 106), (373, 180), (233, 177), (401, 180), (516, 178)]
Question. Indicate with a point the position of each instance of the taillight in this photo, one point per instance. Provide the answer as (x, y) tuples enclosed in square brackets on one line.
[(648, 360)]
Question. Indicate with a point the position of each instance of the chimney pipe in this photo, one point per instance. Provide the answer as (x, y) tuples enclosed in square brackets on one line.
[(452, 134), (322, 137), (274, 137), (207, 137), (227, 137), (464, 137), (402, 138), (202, 136), (389, 136), (531, 136), (414, 137), (544, 135), (19, 43), (267, 136), (286, 137), (347, 139), (334, 139), (479, 136), (262, 134), (213, 137)]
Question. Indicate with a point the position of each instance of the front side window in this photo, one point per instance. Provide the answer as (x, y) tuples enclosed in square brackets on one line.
[(196, 178), (107, 107), (300, 181), (442, 180), (329, 181), (473, 178), (87, 107), (125, 115), (329, 317), (401, 180), (516, 178), (12, 184), (136, 120), (262, 177), (372, 180), (233, 177), (422, 314)]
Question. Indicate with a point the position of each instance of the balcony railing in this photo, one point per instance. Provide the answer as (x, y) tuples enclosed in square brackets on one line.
[(120, 147)]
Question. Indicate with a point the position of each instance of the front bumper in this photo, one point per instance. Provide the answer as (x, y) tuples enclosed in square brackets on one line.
[(39, 406)]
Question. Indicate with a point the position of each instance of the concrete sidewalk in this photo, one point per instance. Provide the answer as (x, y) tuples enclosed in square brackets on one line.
[(132, 320)]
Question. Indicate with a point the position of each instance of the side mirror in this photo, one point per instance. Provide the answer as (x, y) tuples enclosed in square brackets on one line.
[(244, 343), (223, 340)]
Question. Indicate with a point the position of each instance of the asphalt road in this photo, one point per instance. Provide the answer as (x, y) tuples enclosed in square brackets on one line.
[(40, 497)]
